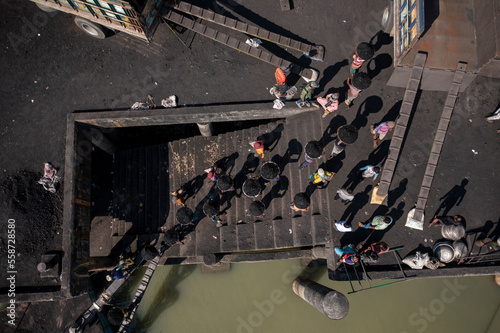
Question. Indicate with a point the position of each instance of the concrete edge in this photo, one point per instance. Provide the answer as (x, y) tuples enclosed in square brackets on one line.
[(186, 115), (68, 206)]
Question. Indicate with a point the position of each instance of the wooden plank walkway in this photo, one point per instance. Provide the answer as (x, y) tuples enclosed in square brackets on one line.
[(439, 141), (401, 124)]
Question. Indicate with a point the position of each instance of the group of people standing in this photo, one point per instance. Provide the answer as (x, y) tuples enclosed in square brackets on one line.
[(270, 171)]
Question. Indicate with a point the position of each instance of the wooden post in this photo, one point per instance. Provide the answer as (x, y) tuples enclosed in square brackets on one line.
[(206, 129), (331, 303)]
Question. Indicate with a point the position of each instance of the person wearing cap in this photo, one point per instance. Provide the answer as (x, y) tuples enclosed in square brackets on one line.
[(321, 177), (330, 103), (377, 223), (306, 94), (369, 171), (259, 148), (381, 131), (363, 52)]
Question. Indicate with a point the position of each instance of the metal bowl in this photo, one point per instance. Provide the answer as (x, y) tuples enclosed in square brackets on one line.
[(444, 252), (460, 249), (453, 232)]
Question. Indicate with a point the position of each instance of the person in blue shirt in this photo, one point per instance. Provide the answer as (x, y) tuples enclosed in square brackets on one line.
[(370, 171)]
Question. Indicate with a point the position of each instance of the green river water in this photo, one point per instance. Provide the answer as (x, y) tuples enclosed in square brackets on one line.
[(258, 298)]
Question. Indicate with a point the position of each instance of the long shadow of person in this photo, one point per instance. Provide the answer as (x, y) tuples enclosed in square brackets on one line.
[(371, 104), (379, 154), (453, 198), (382, 39), (271, 139), (329, 73), (394, 194), (193, 186), (294, 149), (359, 201), (331, 131), (354, 176), (277, 191), (377, 64)]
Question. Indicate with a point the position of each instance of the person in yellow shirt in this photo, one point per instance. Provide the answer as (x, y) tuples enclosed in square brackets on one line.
[(321, 177)]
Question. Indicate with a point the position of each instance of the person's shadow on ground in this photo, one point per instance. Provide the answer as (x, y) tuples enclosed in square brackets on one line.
[(294, 149), (271, 139), (453, 198), (371, 104), (359, 201), (328, 74), (331, 131), (277, 191), (377, 64)]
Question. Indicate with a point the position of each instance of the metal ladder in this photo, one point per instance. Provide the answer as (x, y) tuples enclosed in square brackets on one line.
[(404, 277), (401, 125)]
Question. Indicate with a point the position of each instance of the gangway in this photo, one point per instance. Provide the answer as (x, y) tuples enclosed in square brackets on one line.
[(153, 264)]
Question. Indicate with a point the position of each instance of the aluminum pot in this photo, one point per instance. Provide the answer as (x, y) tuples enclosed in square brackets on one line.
[(453, 232), (444, 252), (460, 249)]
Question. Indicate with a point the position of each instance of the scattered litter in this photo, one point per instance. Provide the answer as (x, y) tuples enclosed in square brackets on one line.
[(215, 237), (169, 102), (32, 101), (475, 152), (38, 35), (417, 261), (344, 21), (183, 142), (470, 120), (139, 106), (253, 42), (290, 231), (278, 105), (156, 83)]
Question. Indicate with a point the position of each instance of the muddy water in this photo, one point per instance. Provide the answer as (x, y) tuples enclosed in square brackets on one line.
[(258, 298)]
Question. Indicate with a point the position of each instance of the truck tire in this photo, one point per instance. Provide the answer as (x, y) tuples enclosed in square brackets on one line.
[(93, 29), (46, 9), (388, 17)]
